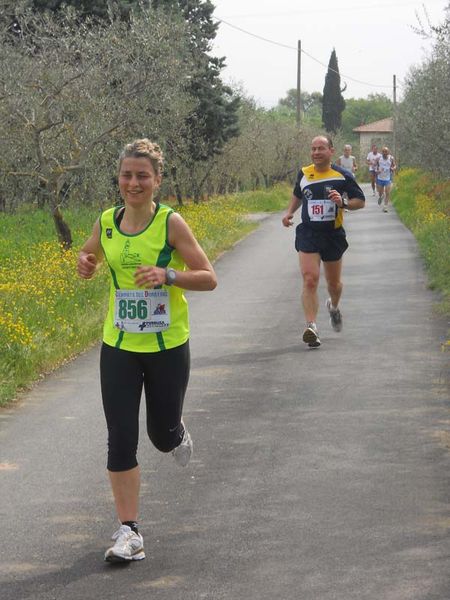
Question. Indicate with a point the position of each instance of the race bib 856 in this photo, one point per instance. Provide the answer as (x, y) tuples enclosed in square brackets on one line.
[(142, 311)]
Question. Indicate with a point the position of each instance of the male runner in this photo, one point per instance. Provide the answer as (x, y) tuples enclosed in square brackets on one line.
[(371, 161), (319, 190), (385, 166), (347, 160)]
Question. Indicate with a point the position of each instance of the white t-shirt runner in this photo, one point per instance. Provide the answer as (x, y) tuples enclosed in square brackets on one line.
[(347, 162), (384, 166), (372, 158)]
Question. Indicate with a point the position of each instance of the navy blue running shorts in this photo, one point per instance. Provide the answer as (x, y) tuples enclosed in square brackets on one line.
[(331, 245)]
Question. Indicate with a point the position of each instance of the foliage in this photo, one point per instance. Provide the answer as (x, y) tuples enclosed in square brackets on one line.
[(55, 315), (214, 120), (423, 203), (310, 104), (333, 103), (88, 8), (359, 111), (46, 313), (269, 149), (71, 92), (111, 74), (424, 114), (75, 92)]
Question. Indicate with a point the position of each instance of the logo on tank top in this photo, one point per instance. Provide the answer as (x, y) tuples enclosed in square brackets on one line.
[(129, 259)]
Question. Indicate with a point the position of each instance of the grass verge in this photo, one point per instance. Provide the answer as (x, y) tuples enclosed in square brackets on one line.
[(423, 204), (48, 315)]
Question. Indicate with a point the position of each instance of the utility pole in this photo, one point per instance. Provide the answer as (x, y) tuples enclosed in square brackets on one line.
[(394, 125), (299, 73)]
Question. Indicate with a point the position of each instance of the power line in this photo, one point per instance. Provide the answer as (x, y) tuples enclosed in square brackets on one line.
[(264, 39), (340, 9)]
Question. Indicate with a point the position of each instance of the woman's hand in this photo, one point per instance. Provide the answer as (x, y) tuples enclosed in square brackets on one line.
[(87, 265), (91, 254), (148, 276)]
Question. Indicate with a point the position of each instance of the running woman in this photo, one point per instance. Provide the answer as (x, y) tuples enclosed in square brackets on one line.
[(153, 257)]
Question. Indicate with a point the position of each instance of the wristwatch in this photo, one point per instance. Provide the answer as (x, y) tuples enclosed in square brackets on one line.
[(171, 276), (344, 202)]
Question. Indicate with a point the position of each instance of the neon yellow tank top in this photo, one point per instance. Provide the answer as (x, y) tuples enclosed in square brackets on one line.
[(124, 253)]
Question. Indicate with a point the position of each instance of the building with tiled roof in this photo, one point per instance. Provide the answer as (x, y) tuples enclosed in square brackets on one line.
[(379, 132)]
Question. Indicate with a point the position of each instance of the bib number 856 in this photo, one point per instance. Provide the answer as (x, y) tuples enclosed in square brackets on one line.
[(132, 308)]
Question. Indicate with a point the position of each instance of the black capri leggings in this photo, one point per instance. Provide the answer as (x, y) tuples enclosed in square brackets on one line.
[(165, 376)]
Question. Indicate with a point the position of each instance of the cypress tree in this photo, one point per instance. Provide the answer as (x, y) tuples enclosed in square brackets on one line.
[(333, 101)]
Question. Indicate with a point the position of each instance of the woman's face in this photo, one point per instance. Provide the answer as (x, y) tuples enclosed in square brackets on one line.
[(137, 181)]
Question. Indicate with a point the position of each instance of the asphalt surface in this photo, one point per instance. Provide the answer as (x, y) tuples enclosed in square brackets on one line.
[(317, 474)]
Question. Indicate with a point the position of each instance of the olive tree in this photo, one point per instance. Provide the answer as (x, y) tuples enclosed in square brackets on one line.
[(72, 92), (270, 149), (424, 114)]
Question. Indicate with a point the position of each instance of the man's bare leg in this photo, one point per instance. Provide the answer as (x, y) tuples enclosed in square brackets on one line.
[(310, 270)]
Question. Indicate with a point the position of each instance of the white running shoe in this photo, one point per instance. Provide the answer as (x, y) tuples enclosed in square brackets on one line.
[(128, 546), (385, 209), (311, 335), (183, 452), (335, 316)]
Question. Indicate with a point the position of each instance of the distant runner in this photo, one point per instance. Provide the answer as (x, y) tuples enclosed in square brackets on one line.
[(320, 190), (152, 257), (385, 167), (371, 161), (347, 160)]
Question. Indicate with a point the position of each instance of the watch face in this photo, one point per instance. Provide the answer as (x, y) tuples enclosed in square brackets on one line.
[(171, 275)]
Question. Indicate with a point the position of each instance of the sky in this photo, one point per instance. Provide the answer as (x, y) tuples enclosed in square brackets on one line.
[(374, 41)]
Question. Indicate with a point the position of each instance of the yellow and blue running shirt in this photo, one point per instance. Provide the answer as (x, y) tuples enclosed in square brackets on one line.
[(124, 253), (312, 188)]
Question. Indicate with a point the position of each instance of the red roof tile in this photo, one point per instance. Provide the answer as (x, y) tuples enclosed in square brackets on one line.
[(382, 126)]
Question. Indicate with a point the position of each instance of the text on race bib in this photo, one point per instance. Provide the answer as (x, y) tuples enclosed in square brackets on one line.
[(321, 210), (141, 311)]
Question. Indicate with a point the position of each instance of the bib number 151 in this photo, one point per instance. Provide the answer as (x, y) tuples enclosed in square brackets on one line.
[(317, 209)]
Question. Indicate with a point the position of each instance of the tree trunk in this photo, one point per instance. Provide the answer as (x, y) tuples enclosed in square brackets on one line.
[(62, 229), (173, 172), (41, 194)]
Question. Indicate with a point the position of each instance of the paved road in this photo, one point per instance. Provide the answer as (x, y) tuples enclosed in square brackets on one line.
[(318, 474)]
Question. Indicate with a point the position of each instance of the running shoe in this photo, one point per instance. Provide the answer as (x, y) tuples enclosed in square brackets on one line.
[(335, 316), (385, 209), (380, 198), (129, 545), (311, 335), (183, 452)]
